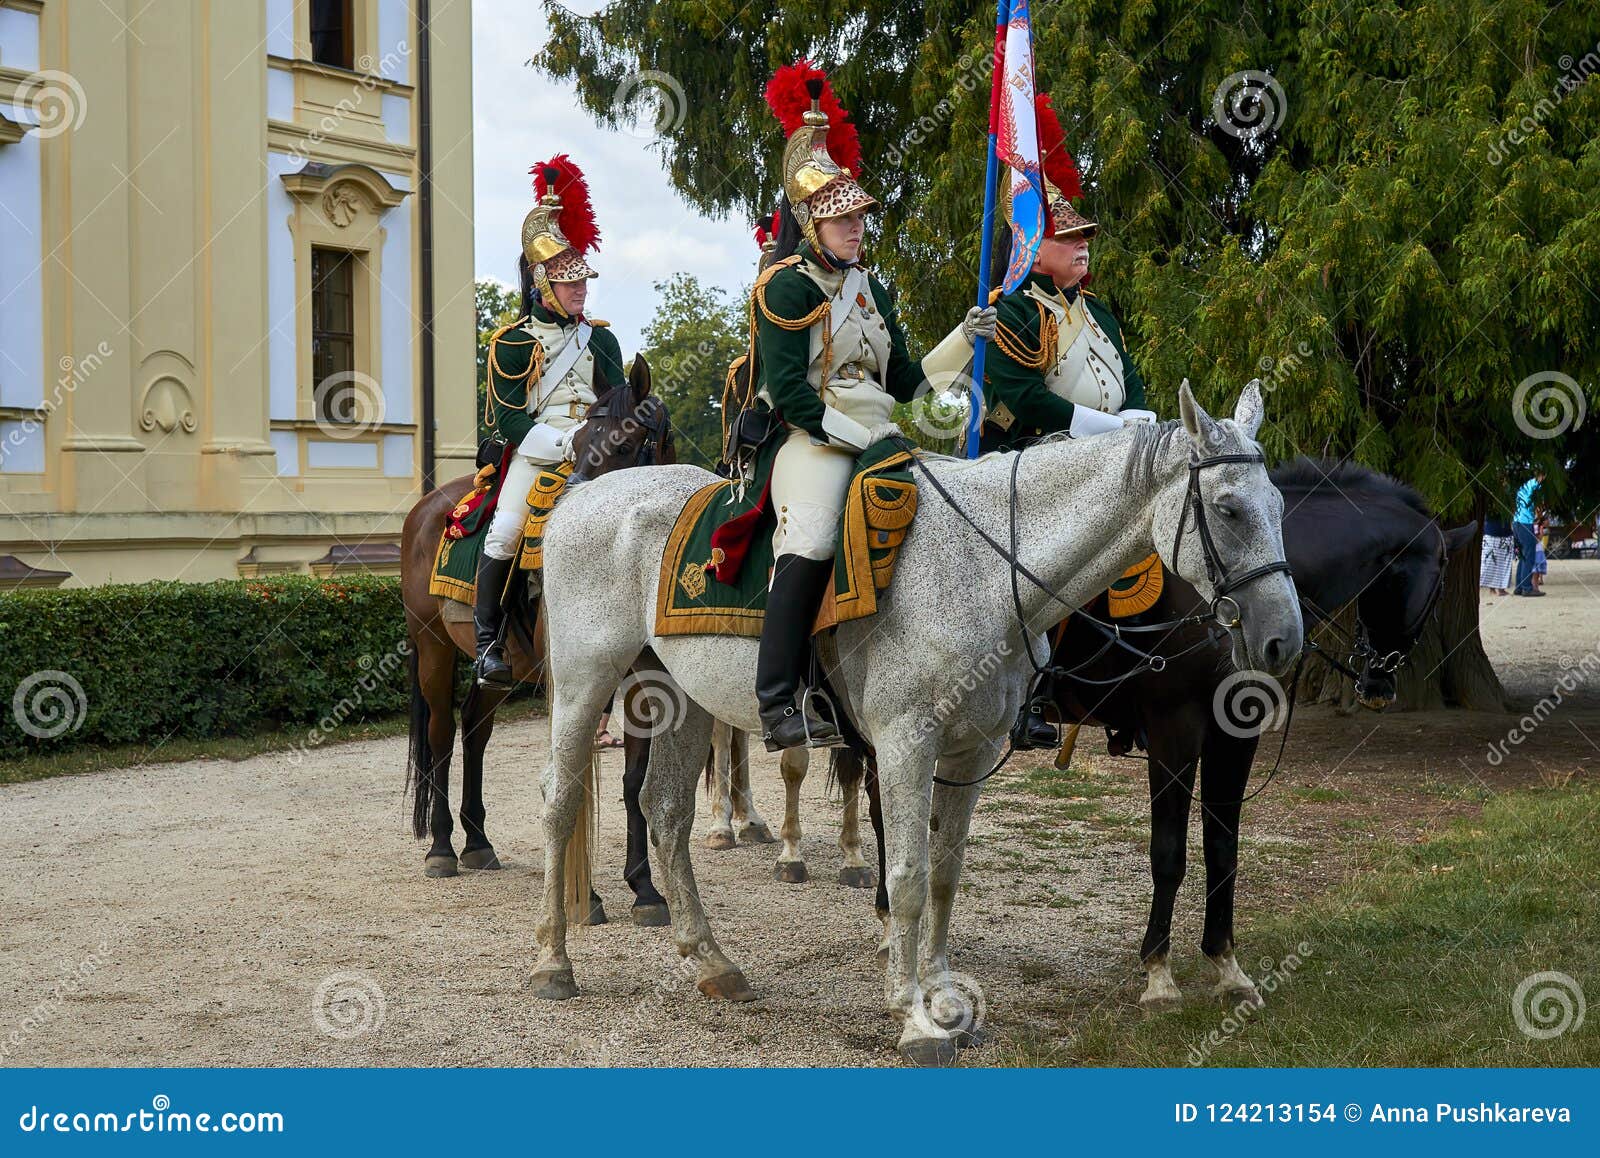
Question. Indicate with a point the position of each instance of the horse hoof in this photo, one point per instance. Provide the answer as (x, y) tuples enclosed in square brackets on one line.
[(597, 913), (791, 872), (856, 877), (554, 984), (651, 916), (757, 834), (727, 987), (929, 1051), (720, 840), (482, 859), (1237, 995), (439, 866), (1161, 1002)]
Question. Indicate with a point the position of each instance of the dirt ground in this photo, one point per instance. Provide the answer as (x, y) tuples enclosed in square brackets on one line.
[(274, 912)]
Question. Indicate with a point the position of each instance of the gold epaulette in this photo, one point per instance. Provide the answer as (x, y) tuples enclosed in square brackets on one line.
[(996, 294), (801, 323), (1016, 346), (597, 323), (508, 327)]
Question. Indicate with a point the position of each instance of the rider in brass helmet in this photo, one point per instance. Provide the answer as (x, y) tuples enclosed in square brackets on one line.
[(832, 360), (545, 370)]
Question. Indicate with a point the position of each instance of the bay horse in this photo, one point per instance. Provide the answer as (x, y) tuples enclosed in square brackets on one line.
[(627, 426), (602, 559), (1351, 535)]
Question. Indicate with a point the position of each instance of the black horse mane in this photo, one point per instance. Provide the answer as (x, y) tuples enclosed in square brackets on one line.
[(1313, 474)]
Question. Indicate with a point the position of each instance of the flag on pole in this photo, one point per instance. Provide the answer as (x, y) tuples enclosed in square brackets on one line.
[(1018, 146)]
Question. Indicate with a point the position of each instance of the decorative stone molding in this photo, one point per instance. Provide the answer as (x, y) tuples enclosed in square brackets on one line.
[(14, 574), (12, 131), (343, 191), (166, 404), (377, 558)]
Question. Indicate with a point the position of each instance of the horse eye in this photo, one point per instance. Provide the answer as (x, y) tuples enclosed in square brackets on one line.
[(1226, 510)]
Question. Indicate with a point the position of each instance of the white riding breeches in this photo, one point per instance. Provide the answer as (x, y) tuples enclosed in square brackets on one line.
[(809, 484), (511, 509)]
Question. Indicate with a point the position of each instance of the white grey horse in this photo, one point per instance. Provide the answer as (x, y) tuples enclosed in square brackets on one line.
[(1080, 512)]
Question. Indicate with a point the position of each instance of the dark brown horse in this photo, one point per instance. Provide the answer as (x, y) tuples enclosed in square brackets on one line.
[(627, 426), (1351, 536)]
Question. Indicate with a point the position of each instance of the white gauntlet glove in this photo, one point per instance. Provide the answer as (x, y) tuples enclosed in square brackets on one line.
[(1087, 422), (882, 431), (1130, 416), (568, 443), (979, 323)]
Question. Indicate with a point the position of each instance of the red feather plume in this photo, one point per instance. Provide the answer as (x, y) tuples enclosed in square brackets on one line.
[(787, 97), (1059, 167), (577, 213), (767, 228)]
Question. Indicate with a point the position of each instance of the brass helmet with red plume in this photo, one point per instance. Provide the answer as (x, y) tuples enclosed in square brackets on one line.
[(823, 153), (1060, 171), (559, 232)]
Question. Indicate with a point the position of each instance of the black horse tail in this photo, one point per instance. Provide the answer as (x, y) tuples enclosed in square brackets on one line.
[(419, 762)]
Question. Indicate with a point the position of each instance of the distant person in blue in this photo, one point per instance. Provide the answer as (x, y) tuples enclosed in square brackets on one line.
[(1527, 542)]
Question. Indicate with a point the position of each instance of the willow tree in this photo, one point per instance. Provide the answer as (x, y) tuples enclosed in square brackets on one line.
[(1390, 213)]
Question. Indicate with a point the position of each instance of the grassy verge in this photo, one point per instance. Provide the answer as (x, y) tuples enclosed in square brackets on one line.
[(1416, 961), (99, 759)]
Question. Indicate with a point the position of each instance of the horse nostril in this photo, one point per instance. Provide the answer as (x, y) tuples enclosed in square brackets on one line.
[(1276, 652)]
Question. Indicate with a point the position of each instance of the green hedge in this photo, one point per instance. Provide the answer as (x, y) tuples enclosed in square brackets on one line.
[(166, 659)]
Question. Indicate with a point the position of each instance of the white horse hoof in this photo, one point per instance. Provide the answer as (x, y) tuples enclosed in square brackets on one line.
[(1236, 995), (727, 987), (554, 984), (720, 840), (1160, 1002), (928, 1051)]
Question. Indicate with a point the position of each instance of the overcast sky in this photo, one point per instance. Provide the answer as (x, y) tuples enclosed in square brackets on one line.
[(647, 231)]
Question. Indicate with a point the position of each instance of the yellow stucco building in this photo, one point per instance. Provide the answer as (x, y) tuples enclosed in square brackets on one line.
[(220, 223)]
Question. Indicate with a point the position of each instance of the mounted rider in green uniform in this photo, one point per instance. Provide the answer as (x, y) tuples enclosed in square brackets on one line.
[(832, 360), (545, 371)]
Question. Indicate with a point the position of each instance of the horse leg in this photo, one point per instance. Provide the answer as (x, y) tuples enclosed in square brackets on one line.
[(477, 725), (751, 826), (649, 906), (677, 756), (908, 811), (435, 684), (880, 899), (574, 710), (953, 1002), (1174, 739), (848, 767), (1224, 775), (791, 868), (719, 779)]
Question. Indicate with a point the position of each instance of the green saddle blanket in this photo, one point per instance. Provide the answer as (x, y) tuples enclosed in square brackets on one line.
[(455, 563), (718, 559)]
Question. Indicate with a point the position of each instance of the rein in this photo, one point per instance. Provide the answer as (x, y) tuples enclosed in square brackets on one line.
[(1216, 572)]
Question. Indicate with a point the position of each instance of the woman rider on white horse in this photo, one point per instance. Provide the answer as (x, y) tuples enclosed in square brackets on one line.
[(833, 362)]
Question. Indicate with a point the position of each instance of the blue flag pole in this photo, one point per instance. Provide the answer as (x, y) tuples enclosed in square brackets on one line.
[(979, 345)]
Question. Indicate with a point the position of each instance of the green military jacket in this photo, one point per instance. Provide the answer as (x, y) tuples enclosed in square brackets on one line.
[(1020, 361), (785, 297), (516, 359)]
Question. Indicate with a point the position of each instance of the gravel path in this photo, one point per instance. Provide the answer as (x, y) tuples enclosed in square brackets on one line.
[(191, 914)]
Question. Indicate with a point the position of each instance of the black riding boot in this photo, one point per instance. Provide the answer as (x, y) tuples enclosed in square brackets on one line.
[(797, 589), (1032, 731), (488, 620)]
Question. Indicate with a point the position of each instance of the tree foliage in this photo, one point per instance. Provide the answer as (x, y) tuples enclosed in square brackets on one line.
[(695, 333), (1416, 236)]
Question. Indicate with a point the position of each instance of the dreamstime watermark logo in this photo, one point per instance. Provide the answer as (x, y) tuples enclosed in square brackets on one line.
[(1248, 703), (1573, 676), (71, 978), (1548, 404), (348, 1005), (1548, 1004), (1274, 975), (1574, 75), (375, 674), (1275, 371), (348, 404), (74, 373), (655, 703), (942, 407), (671, 105), (948, 1004), (1249, 104), (973, 71), (56, 98), (48, 704)]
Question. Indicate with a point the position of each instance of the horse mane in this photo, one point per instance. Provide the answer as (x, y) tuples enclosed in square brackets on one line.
[(1311, 475)]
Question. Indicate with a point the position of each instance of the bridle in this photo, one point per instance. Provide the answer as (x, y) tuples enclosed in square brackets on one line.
[(1216, 571), (656, 425), (1362, 657)]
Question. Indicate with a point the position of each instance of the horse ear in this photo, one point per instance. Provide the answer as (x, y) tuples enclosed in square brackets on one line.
[(1251, 409), (1459, 538), (639, 377), (1196, 421)]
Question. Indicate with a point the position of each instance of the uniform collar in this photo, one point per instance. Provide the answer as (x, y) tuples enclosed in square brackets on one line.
[(1045, 285), (550, 317)]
